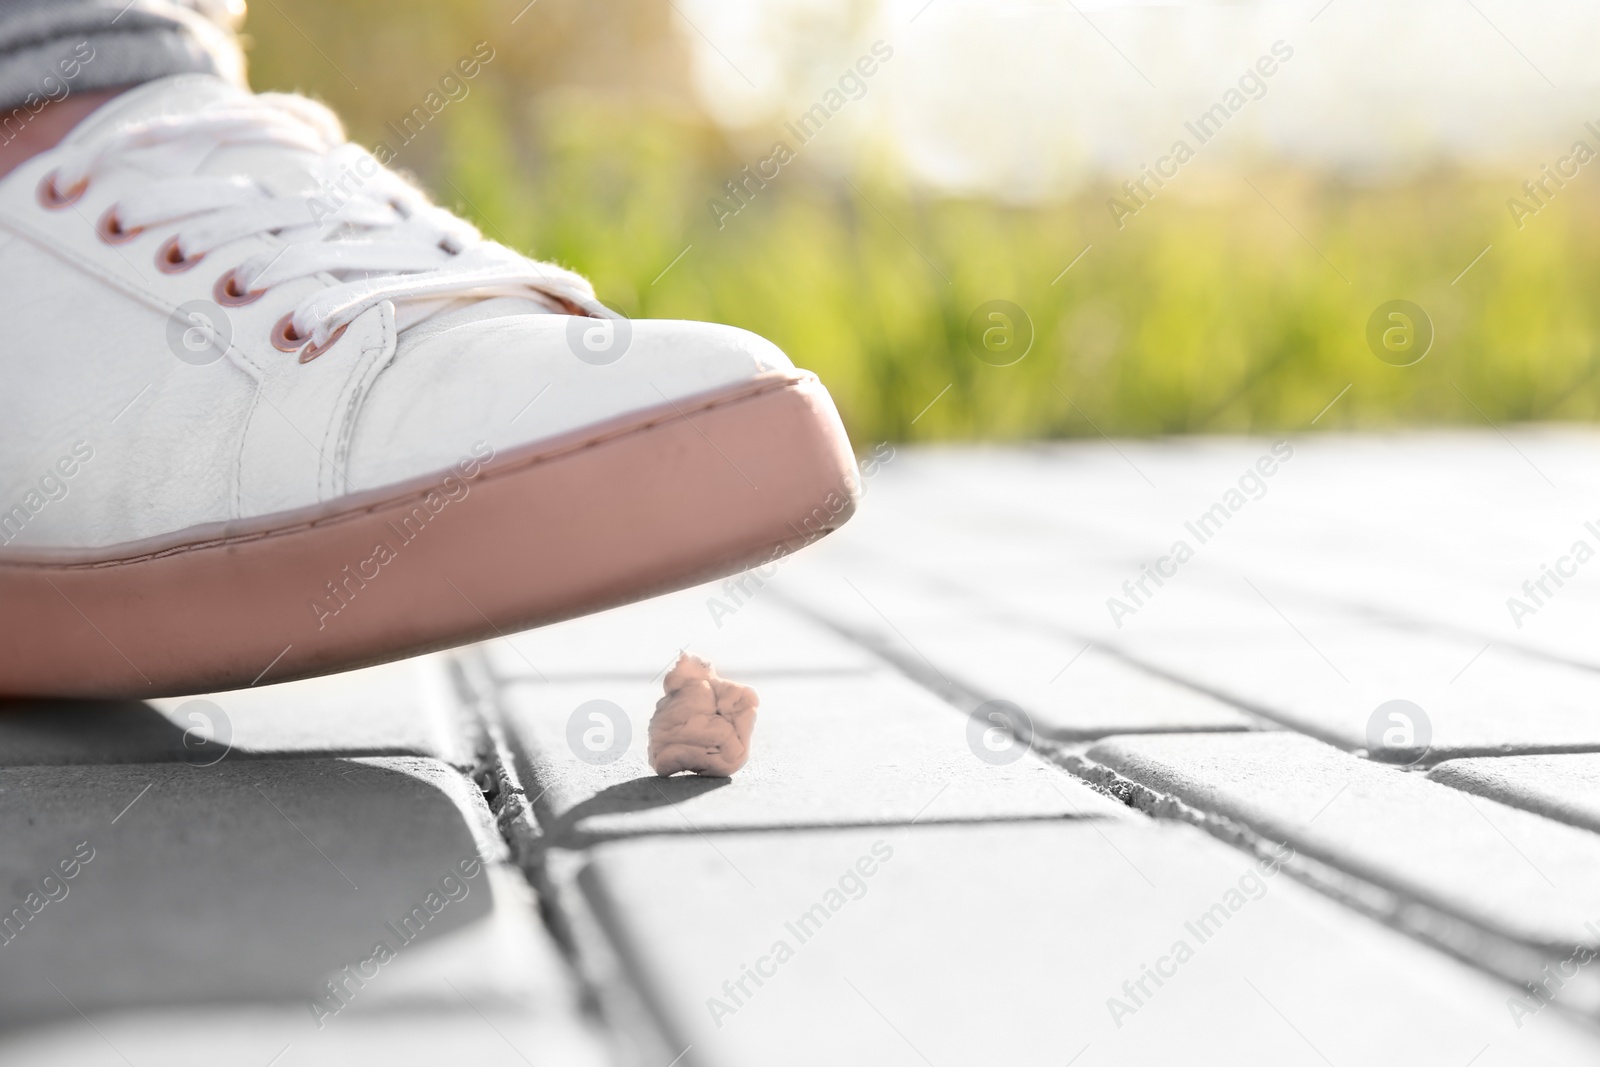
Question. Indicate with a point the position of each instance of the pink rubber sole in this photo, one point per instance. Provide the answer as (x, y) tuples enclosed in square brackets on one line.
[(642, 505)]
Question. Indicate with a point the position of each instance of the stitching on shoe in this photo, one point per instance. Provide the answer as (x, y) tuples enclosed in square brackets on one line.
[(140, 293), (238, 455), (364, 370), (138, 289)]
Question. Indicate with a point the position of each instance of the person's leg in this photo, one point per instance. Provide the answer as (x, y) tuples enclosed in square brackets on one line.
[(60, 59), (25, 138)]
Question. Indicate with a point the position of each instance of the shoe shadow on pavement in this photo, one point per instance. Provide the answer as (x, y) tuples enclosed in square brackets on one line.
[(163, 882), (637, 794), (40, 731)]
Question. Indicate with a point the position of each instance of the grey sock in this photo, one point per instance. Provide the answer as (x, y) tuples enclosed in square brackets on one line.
[(50, 48)]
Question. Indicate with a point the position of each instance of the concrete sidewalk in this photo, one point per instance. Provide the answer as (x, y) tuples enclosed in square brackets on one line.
[(1204, 751)]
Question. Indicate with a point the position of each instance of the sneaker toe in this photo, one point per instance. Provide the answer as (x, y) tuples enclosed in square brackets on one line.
[(515, 380)]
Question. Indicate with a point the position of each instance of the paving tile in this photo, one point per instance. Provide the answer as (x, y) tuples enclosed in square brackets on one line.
[(1006, 944), (1342, 497), (961, 516), (492, 987), (837, 750), (1563, 787), (1330, 678), (207, 1036), (733, 623), (1332, 529), (1071, 689), (1326, 529), (150, 885), (403, 708), (1525, 877), (1313, 669)]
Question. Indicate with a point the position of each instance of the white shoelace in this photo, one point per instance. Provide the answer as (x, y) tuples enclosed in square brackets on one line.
[(366, 232)]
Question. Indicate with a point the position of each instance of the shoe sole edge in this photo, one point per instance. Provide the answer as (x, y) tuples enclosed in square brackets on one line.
[(640, 505)]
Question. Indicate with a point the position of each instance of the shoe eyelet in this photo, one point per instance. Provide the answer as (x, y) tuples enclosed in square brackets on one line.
[(170, 258), (51, 196), (284, 338), (226, 291), (111, 230), (567, 305), (311, 352)]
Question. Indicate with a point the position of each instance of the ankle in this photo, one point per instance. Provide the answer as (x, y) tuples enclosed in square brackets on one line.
[(24, 134)]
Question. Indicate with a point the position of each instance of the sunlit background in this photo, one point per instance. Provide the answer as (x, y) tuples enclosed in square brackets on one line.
[(914, 161)]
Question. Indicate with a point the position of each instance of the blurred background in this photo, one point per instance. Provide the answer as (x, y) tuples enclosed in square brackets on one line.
[(913, 162)]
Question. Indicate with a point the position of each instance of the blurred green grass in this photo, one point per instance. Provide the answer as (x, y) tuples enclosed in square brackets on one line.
[(1233, 303)]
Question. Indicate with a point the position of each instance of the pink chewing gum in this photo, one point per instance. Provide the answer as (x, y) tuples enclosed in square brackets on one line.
[(704, 722)]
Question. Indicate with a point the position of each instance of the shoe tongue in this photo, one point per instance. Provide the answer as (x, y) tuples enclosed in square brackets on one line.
[(280, 169), (441, 317), (181, 94)]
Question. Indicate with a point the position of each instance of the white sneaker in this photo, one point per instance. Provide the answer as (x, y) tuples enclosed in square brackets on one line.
[(267, 412)]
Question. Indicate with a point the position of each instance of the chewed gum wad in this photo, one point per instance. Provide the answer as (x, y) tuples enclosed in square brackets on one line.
[(704, 722)]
